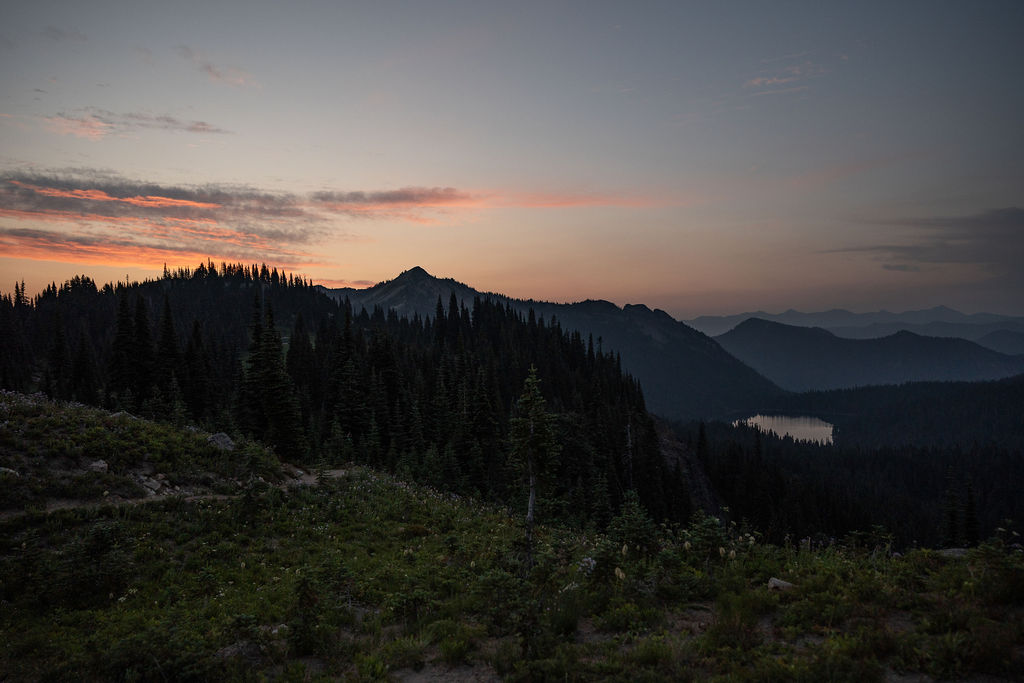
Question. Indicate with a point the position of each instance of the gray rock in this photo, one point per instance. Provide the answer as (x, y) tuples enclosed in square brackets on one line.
[(243, 649), (222, 441), (953, 552), (780, 585), (98, 466)]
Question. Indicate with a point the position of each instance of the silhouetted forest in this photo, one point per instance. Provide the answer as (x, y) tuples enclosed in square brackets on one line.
[(918, 495), (255, 352), (962, 415)]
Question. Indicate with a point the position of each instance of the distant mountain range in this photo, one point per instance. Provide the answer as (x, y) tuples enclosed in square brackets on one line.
[(997, 332), (811, 358), (687, 374), (684, 373)]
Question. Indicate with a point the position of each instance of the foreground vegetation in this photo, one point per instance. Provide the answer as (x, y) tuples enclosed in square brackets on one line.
[(360, 576)]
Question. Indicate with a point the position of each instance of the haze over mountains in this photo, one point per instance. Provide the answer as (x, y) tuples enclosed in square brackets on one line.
[(687, 374), (684, 373), (812, 358), (997, 332)]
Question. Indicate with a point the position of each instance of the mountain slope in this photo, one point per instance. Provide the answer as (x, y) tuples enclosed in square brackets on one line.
[(1004, 341), (804, 359), (975, 332), (935, 321), (684, 373)]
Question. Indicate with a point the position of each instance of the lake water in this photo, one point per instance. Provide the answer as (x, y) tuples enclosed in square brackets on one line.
[(800, 428)]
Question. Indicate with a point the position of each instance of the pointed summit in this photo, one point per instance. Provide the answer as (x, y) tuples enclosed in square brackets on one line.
[(414, 273)]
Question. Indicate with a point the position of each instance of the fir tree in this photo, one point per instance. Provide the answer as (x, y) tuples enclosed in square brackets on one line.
[(142, 351), (167, 356), (122, 367), (533, 445)]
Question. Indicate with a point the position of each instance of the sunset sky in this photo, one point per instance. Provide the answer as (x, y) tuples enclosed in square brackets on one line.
[(709, 157)]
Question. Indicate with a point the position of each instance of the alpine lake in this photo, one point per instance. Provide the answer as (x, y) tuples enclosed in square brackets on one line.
[(800, 428)]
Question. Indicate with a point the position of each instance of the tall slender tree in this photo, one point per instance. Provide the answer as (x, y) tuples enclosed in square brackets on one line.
[(533, 445)]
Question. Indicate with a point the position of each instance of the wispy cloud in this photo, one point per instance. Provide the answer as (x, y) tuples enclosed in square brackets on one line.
[(762, 81), (95, 124), (780, 74), (427, 204), (569, 200), (60, 35), (227, 75), (355, 284), (992, 240), (83, 126), (91, 215), (88, 218), (146, 55)]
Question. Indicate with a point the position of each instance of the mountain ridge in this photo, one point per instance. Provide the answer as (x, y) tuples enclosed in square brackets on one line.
[(660, 351), (839, 318), (813, 358)]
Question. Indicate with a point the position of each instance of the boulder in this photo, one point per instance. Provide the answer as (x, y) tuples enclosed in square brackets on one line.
[(780, 585), (98, 466), (221, 441)]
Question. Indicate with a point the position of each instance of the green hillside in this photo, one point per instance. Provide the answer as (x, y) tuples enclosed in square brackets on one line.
[(356, 575)]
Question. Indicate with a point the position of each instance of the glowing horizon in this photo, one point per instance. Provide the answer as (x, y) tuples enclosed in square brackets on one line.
[(695, 159)]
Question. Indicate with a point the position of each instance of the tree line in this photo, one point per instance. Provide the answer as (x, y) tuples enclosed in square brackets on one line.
[(260, 353)]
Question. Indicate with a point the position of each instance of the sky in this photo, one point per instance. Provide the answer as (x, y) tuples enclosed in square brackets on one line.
[(699, 157)]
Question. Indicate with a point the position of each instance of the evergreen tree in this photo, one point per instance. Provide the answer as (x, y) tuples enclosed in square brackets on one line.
[(142, 352), (167, 356), (197, 389), (276, 395), (84, 374), (950, 514), (971, 530), (58, 373), (122, 367), (533, 444)]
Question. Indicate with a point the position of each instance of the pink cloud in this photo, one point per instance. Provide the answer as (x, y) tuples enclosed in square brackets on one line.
[(88, 127), (227, 75)]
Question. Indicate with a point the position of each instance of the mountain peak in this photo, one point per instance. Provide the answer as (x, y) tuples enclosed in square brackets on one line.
[(416, 272)]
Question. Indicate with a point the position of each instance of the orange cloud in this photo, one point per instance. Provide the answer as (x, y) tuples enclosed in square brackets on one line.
[(108, 250), (102, 217), (101, 196)]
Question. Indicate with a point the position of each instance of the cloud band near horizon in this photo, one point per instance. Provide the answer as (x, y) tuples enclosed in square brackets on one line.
[(99, 218), (992, 240)]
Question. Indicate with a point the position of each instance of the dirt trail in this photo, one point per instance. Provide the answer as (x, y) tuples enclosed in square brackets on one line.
[(295, 477)]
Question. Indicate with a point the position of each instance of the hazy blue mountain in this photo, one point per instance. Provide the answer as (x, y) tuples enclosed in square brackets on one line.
[(1004, 341), (972, 331), (684, 373), (811, 358), (882, 323)]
